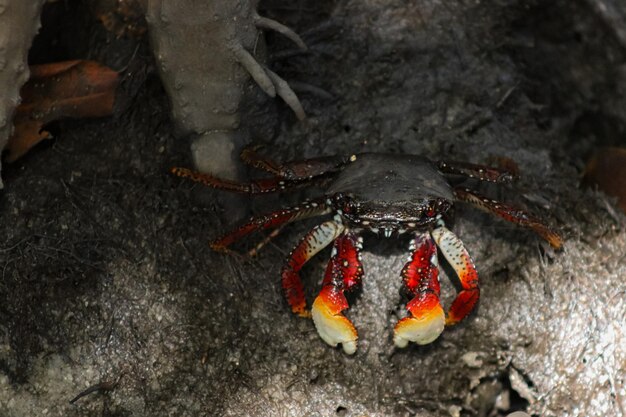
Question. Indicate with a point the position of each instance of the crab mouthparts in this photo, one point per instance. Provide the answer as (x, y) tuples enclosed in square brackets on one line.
[(386, 231)]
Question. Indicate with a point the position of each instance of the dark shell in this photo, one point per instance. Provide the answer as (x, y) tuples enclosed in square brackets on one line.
[(391, 178), (384, 190)]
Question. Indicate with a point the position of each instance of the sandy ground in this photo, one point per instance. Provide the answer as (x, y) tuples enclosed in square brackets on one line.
[(107, 277)]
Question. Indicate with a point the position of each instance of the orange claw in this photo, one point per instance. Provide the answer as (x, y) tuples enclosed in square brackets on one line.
[(333, 327), (421, 279), (343, 273), (426, 323)]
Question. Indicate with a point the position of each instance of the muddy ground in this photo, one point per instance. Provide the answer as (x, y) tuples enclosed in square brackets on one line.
[(107, 277)]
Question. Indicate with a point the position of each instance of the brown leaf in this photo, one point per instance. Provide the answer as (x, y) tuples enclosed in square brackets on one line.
[(607, 170), (75, 89)]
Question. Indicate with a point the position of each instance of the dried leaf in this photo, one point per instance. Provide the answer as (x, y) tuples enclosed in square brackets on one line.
[(75, 89), (607, 170)]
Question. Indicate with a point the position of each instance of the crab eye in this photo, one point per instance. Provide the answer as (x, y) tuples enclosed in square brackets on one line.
[(430, 212), (344, 203)]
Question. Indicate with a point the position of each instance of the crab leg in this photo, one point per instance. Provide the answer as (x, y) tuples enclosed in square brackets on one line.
[(260, 186), (455, 253), (313, 242), (480, 172), (274, 219), (421, 280), (294, 170), (343, 273), (509, 213)]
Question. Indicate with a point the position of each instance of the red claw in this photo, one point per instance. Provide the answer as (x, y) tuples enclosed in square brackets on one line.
[(421, 279), (344, 272)]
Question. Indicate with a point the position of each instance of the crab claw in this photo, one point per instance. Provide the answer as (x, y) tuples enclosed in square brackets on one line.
[(425, 325), (421, 280), (332, 326), (343, 273)]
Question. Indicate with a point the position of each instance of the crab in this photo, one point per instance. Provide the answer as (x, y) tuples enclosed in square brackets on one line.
[(388, 194)]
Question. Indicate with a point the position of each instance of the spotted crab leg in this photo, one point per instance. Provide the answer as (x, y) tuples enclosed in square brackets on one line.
[(455, 253), (271, 220), (511, 214), (421, 280), (480, 172), (313, 242), (294, 170), (344, 273), (290, 175), (259, 186)]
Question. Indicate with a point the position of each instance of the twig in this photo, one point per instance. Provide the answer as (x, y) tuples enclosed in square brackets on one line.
[(10, 248), (506, 96), (102, 386)]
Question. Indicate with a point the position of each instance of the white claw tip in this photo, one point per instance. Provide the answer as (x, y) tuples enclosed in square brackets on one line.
[(422, 330), (349, 347), (333, 328)]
